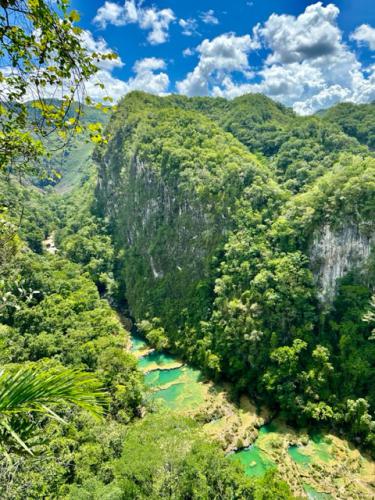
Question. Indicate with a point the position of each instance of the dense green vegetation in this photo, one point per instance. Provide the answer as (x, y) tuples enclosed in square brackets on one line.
[(167, 457), (221, 246), (67, 164), (210, 169), (355, 120), (55, 318), (234, 233), (214, 257), (72, 400)]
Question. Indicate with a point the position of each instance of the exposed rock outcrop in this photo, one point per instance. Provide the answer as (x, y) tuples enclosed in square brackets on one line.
[(335, 252)]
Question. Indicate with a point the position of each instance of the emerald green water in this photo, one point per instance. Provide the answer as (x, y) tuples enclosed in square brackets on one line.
[(169, 396), (254, 461), (137, 343), (175, 388), (182, 389), (185, 392), (319, 450), (157, 378), (160, 359), (268, 428), (298, 456)]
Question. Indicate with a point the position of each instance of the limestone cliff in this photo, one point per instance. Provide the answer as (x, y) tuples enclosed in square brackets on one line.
[(169, 182), (335, 252)]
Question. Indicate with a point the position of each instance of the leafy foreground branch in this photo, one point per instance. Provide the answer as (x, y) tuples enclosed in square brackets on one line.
[(28, 390)]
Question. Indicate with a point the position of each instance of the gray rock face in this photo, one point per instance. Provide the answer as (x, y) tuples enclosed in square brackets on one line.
[(333, 253)]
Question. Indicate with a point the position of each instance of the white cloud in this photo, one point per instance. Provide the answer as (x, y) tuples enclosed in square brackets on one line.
[(311, 35), (209, 17), (110, 13), (148, 73), (217, 58), (132, 12), (325, 98), (149, 64), (148, 76), (113, 87), (99, 45), (188, 52), (158, 22), (364, 35), (308, 67), (189, 26)]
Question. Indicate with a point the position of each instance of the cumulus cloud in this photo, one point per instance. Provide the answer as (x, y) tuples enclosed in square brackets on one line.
[(112, 13), (113, 86), (188, 52), (209, 17), (308, 66), (364, 35), (148, 76), (158, 22), (311, 35), (217, 59), (131, 12)]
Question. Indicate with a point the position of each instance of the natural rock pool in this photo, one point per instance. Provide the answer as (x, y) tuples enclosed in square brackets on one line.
[(317, 466)]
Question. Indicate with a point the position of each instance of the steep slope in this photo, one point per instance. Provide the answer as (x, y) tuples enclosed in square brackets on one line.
[(68, 163), (249, 280), (170, 181), (274, 325)]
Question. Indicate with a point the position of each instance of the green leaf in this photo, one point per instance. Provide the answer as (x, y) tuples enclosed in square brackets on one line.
[(74, 16)]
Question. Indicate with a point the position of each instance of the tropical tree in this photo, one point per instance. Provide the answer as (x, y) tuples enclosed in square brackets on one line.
[(369, 317), (31, 391), (44, 64), (42, 54)]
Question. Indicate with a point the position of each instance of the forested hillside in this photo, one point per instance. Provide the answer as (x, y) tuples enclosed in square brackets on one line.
[(249, 233), (66, 164), (355, 120)]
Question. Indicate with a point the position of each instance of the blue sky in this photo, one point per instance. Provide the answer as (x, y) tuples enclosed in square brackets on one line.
[(308, 55)]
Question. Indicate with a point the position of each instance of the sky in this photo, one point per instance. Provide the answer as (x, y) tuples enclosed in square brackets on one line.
[(306, 55)]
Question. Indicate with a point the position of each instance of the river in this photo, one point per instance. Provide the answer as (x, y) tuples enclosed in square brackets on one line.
[(316, 466)]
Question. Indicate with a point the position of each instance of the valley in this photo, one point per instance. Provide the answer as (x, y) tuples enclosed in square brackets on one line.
[(187, 250), (321, 466), (248, 291)]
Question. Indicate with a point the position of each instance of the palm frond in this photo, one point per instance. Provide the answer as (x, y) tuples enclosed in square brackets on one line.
[(33, 390), (30, 390)]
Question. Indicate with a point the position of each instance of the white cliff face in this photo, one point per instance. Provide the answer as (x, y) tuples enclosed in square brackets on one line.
[(334, 253)]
